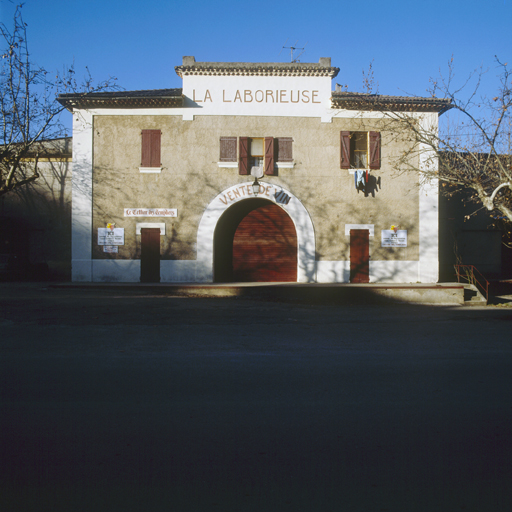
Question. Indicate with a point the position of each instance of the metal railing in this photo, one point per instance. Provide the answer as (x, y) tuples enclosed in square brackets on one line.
[(473, 276)]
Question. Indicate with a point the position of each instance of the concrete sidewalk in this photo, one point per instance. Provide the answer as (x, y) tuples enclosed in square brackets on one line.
[(441, 294)]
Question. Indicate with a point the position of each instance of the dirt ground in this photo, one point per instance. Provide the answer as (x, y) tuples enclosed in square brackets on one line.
[(128, 401)]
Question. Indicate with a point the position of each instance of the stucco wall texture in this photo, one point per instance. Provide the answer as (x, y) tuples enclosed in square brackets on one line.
[(191, 178)]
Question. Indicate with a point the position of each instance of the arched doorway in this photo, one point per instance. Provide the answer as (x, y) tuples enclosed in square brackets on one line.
[(255, 241)]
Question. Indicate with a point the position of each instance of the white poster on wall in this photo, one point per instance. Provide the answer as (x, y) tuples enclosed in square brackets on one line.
[(392, 238), (109, 236)]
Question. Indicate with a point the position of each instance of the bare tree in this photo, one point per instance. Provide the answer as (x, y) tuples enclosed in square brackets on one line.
[(473, 145), (29, 113), (370, 85)]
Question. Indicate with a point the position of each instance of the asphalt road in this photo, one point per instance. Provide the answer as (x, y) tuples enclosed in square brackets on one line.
[(113, 401)]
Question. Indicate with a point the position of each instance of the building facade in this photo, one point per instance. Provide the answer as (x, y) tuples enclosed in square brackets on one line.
[(35, 219), (250, 172)]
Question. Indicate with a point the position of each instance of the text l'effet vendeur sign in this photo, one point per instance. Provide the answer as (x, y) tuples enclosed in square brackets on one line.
[(150, 212)]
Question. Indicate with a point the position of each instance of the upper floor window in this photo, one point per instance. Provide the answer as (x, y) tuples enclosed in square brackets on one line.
[(257, 151), (228, 149), (269, 153), (360, 150), (150, 151)]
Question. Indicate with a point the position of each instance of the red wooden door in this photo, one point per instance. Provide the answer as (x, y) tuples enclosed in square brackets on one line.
[(265, 246), (150, 255), (359, 256)]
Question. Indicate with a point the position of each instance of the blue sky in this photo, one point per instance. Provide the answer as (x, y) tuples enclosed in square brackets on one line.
[(140, 42)]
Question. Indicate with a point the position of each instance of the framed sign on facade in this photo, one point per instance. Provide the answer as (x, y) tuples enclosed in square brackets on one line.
[(150, 212), (110, 236), (392, 238)]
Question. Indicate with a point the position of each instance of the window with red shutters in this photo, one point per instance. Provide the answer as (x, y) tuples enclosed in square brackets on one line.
[(150, 152), (258, 151), (360, 150)]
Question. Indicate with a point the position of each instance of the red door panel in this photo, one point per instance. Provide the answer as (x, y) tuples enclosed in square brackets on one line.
[(265, 246), (150, 255), (359, 256)]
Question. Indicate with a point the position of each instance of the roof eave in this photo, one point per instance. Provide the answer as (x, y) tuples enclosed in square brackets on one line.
[(390, 104), (83, 102)]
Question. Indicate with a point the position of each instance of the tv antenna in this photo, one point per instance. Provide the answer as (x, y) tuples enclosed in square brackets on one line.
[(293, 49)]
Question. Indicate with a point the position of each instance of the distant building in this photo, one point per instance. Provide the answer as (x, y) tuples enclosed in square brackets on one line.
[(250, 172), (470, 235), (35, 219)]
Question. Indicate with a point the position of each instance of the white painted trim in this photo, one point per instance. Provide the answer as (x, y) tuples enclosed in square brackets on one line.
[(178, 271), (188, 114), (160, 225), (81, 209), (241, 192), (391, 271), (234, 165), (150, 169), (188, 271), (114, 270), (428, 270), (394, 271), (257, 95), (228, 165), (128, 271), (369, 227), (332, 271)]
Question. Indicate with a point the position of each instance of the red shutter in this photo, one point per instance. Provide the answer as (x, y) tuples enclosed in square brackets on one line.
[(269, 156), (374, 150), (284, 149), (345, 150), (243, 162), (227, 149), (150, 153)]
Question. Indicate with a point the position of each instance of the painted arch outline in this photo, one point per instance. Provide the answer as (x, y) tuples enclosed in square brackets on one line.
[(241, 192)]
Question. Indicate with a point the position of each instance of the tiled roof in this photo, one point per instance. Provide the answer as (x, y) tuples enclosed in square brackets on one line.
[(122, 99), (166, 98), (376, 102), (322, 68)]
